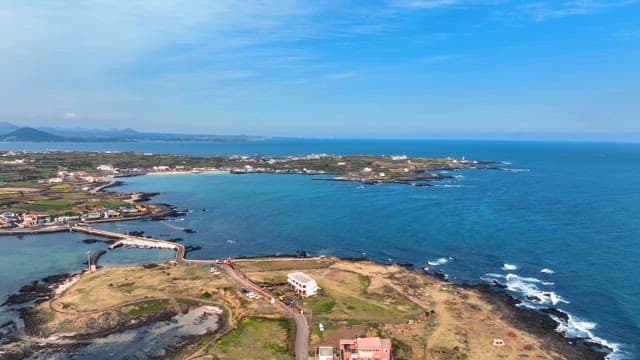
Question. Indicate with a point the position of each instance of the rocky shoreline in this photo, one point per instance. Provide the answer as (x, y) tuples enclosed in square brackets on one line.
[(537, 323), (31, 339)]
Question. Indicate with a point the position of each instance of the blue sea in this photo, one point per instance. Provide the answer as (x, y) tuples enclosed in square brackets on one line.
[(560, 221)]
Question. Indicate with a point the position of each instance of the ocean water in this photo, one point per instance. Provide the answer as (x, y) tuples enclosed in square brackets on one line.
[(560, 222)]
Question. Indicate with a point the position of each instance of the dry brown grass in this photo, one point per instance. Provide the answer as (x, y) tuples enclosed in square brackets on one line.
[(427, 318)]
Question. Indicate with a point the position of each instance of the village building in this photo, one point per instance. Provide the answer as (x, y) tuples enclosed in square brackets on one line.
[(94, 215), (371, 348), (9, 216), (66, 218), (324, 353), (303, 283), (129, 210), (105, 167), (110, 213), (30, 219)]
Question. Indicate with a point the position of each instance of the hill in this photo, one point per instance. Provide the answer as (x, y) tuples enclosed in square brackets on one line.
[(29, 134), (6, 127)]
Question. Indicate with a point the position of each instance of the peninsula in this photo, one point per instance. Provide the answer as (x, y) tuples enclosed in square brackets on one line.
[(46, 191), (259, 314), (248, 308)]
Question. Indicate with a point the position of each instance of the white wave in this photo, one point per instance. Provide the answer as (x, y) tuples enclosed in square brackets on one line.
[(547, 271), (548, 283), (509, 267), (526, 287), (448, 185), (576, 327), (534, 298), (500, 276), (438, 262)]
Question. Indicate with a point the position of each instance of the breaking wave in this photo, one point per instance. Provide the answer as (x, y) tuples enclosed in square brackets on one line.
[(438, 262), (533, 295)]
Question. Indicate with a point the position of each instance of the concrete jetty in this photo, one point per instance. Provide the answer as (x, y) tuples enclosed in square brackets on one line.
[(134, 241)]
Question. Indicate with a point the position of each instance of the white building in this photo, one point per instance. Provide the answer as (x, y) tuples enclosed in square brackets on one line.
[(324, 353), (303, 283), (105, 167)]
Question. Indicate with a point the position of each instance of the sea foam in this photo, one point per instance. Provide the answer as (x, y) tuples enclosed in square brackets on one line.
[(438, 262), (547, 271), (509, 267), (579, 328)]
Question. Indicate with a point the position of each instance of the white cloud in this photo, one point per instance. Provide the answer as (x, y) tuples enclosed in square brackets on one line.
[(546, 10), (339, 76), (70, 115), (440, 58), (424, 4)]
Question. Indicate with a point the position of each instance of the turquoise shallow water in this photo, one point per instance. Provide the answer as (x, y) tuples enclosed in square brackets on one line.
[(563, 225)]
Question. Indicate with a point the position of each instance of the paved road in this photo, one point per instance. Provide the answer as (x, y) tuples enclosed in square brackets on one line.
[(301, 341), (302, 337)]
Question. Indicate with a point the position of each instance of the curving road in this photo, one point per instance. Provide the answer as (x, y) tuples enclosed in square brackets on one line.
[(301, 341)]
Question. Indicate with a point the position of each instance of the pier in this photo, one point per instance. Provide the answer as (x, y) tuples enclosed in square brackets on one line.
[(135, 241), (301, 340)]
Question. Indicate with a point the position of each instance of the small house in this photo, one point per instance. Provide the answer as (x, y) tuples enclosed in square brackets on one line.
[(303, 283), (365, 348)]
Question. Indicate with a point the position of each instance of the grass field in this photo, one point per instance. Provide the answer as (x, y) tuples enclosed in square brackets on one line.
[(425, 317), (256, 338), (344, 296), (54, 203), (104, 289)]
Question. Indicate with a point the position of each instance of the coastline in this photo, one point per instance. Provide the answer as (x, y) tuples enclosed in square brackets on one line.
[(533, 322)]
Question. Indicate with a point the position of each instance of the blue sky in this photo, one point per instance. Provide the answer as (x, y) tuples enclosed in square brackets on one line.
[(396, 68)]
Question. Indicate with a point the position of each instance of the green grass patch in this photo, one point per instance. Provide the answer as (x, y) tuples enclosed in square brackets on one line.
[(18, 184), (61, 188), (149, 307), (256, 338), (111, 204), (321, 304), (54, 203)]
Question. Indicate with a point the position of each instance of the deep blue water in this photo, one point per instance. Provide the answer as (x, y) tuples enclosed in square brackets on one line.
[(572, 208)]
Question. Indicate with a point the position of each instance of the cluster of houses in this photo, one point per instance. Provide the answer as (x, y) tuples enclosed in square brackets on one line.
[(72, 177), (11, 220), (364, 348)]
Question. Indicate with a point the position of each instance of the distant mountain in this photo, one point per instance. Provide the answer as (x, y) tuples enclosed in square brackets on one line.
[(55, 134), (30, 134), (91, 134), (6, 127), (128, 134)]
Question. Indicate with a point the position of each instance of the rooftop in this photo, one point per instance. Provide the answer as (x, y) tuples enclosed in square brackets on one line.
[(301, 277)]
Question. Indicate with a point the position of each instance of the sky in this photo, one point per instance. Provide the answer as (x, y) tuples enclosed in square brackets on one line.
[(394, 68)]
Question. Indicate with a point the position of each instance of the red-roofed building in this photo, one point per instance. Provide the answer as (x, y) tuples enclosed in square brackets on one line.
[(372, 348)]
